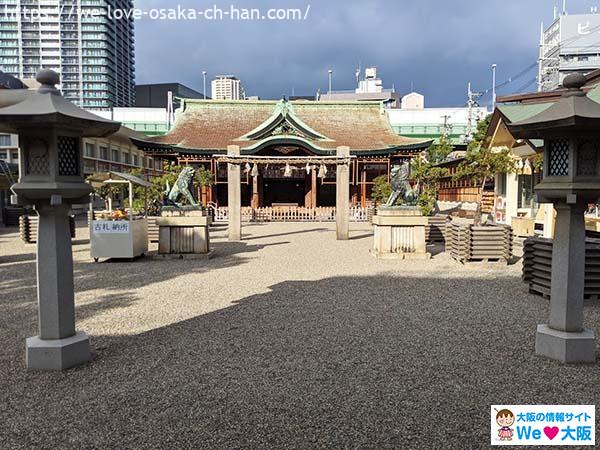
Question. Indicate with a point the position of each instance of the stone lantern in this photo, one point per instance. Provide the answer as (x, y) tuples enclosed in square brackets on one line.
[(570, 129), (50, 130)]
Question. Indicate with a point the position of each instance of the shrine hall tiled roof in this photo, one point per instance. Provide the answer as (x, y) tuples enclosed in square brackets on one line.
[(211, 125)]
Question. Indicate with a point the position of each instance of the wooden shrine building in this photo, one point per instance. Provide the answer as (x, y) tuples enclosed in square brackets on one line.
[(273, 133)]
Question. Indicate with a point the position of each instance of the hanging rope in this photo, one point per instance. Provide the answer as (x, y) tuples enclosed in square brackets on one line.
[(299, 160)]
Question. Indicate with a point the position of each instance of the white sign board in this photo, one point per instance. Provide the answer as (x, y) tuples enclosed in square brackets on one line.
[(110, 226), (580, 33)]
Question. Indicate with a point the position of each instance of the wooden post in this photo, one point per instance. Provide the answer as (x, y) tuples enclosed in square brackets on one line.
[(234, 196), (342, 194)]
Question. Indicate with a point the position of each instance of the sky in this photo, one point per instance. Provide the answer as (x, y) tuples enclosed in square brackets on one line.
[(434, 46)]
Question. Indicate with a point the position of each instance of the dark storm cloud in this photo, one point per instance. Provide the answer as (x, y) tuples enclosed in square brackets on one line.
[(438, 46)]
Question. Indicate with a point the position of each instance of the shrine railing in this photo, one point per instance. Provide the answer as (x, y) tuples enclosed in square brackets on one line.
[(291, 214)]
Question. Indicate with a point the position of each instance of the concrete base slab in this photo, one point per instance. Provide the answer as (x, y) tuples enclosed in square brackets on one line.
[(208, 255), (59, 354), (565, 347), (399, 255)]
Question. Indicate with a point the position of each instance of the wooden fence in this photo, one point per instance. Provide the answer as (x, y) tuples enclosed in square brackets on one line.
[(291, 214)]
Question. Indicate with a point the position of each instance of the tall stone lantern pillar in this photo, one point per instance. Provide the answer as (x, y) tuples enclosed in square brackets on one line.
[(50, 130), (571, 132)]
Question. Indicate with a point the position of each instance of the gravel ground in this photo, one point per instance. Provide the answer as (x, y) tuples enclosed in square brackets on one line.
[(289, 339)]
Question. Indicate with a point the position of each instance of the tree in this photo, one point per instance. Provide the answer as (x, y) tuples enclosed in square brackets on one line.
[(382, 189), (481, 164), (153, 196), (427, 177), (204, 178), (437, 153), (480, 137)]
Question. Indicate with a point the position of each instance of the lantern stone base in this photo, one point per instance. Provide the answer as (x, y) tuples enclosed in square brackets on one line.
[(59, 354), (565, 347), (181, 236), (399, 234)]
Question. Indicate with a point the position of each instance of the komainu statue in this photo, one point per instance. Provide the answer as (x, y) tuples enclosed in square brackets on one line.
[(401, 188), (181, 188)]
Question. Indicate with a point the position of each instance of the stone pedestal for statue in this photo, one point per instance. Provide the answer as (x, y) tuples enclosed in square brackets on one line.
[(399, 233), (564, 337), (183, 233)]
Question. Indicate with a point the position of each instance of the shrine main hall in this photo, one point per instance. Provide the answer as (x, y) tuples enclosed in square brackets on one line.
[(286, 149)]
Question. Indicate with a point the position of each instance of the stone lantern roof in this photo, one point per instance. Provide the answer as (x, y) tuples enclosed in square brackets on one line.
[(47, 107), (574, 111)]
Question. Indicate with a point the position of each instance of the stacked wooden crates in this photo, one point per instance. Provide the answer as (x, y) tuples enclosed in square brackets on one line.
[(28, 228), (479, 243), (537, 266), (435, 231), (10, 216)]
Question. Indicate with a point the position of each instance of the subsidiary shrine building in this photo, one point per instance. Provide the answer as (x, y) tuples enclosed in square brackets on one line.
[(293, 135)]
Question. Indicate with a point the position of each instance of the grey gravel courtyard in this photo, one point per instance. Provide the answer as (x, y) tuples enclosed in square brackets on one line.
[(289, 339)]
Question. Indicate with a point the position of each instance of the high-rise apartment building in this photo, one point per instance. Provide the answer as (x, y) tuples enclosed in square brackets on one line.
[(80, 39), (227, 87)]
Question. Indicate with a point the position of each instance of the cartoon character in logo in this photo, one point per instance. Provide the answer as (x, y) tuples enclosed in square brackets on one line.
[(505, 419)]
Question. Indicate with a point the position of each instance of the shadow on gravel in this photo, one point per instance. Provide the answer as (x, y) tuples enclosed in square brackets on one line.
[(375, 362), (18, 281), (266, 236), (24, 257)]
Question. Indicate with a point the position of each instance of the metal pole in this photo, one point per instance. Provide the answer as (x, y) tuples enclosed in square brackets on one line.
[(204, 83), (330, 76), (494, 86)]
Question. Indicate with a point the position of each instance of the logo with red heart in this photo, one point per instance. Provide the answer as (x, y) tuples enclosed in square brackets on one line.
[(551, 432)]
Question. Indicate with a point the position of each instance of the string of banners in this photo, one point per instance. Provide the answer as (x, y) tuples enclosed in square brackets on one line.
[(309, 163)]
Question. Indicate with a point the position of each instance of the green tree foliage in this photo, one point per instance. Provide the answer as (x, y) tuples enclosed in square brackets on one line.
[(480, 138), (382, 189), (427, 176), (537, 162), (437, 153), (155, 193), (204, 177)]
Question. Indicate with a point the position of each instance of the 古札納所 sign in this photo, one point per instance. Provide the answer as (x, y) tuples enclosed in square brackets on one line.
[(110, 226)]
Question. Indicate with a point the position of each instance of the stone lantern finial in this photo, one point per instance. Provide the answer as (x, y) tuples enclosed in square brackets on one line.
[(48, 80)]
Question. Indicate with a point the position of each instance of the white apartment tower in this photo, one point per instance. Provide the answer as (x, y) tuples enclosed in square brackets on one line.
[(570, 44), (92, 51), (227, 87)]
